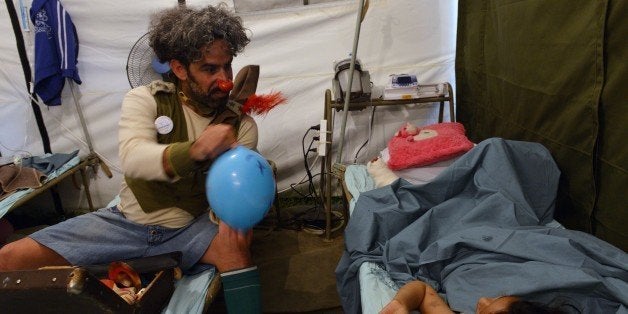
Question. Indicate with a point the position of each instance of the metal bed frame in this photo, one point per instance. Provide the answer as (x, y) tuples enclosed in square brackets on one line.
[(336, 170), (89, 161)]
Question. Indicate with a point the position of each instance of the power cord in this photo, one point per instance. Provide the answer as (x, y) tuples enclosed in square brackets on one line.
[(17, 157), (311, 187), (368, 139), (311, 195)]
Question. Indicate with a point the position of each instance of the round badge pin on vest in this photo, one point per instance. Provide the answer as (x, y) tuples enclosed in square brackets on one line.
[(164, 125)]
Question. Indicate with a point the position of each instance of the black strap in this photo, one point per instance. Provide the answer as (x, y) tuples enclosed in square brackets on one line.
[(21, 49)]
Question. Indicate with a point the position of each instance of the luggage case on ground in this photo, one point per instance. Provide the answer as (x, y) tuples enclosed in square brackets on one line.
[(79, 289)]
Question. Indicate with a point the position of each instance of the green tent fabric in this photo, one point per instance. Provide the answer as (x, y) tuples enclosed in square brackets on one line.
[(611, 211), (552, 72)]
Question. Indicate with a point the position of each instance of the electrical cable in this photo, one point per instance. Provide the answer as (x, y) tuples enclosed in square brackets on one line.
[(311, 189), (368, 139), (28, 154), (301, 181), (305, 157)]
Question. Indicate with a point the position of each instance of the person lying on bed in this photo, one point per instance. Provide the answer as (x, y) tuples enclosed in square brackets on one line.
[(417, 295), (483, 227), (169, 134)]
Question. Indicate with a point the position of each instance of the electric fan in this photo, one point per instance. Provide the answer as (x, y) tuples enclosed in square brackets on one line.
[(142, 65)]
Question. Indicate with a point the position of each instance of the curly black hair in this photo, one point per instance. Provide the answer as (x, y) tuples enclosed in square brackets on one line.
[(182, 32)]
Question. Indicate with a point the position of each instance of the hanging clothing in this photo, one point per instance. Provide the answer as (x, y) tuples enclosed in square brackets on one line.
[(56, 50)]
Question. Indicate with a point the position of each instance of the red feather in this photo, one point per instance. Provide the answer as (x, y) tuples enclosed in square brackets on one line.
[(262, 104)]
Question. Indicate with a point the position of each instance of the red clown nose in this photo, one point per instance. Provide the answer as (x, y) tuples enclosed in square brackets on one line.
[(225, 86)]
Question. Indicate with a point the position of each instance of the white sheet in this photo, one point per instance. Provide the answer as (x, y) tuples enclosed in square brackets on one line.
[(295, 49), (190, 293), (376, 287), (420, 175)]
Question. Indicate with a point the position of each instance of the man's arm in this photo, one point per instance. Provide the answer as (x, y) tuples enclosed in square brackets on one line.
[(181, 158), (140, 154), (247, 134), (213, 141), (229, 251)]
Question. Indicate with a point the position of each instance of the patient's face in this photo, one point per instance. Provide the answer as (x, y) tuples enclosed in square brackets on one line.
[(494, 305)]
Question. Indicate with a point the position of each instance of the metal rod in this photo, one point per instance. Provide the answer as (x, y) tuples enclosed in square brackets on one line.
[(326, 175), (88, 139), (354, 53)]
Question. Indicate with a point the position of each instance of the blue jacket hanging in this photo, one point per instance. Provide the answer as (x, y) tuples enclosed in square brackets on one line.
[(56, 50)]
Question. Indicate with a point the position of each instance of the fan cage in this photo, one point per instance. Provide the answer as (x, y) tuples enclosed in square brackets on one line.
[(139, 68)]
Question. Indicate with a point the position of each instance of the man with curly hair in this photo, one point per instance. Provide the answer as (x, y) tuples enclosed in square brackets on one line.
[(170, 131)]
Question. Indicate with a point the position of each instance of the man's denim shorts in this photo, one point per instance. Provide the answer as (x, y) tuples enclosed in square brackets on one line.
[(106, 235)]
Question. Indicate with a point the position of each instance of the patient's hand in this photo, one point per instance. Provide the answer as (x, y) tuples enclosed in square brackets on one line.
[(394, 307), (378, 170), (417, 295)]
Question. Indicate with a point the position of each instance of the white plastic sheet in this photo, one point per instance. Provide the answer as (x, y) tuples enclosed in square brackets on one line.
[(295, 48)]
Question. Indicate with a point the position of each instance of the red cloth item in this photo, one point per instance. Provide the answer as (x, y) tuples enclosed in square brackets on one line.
[(415, 147)]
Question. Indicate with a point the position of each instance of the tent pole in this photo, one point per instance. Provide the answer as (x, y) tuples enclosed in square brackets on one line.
[(356, 38), (354, 53), (95, 159), (88, 139)]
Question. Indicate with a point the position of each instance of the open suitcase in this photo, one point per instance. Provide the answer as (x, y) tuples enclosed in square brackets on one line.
[(79, 289)]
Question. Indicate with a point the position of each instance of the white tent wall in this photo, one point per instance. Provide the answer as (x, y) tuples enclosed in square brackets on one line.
[(295, 48)]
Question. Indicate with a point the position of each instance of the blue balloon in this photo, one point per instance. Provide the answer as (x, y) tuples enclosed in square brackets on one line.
[(240, 187)]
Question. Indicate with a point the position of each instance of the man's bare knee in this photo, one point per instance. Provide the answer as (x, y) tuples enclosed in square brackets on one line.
[(27, 253), (5, 257)]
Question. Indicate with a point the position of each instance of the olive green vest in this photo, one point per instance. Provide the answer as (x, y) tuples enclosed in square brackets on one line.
[(187, 193)]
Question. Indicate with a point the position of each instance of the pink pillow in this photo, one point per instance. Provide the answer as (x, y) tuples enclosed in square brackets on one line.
[(415, 147)]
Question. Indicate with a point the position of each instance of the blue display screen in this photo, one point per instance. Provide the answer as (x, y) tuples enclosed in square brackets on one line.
[(404, 80)]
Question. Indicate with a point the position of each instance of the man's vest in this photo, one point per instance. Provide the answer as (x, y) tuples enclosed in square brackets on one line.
[(187, 193)]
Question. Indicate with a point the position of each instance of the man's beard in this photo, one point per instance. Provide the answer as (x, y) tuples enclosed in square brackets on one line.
[(204, 99)]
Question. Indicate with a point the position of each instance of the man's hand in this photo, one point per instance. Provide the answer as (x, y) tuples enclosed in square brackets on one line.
[(230, 249), (214, 140)]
